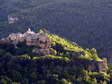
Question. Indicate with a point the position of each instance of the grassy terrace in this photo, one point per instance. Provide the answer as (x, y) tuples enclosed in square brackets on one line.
[(71, 46), (52, 57), (66, 64)]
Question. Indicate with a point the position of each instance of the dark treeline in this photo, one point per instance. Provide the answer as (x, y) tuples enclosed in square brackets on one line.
[(86, 22)]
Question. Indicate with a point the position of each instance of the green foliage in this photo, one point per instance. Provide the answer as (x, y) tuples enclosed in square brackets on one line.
[(54, 52), (94, 54), (52, 57), (25, 56), (15, 83), (67, 45), (64, 81), (86, 57), (91, 53), (66, 64), (110, 67), (70, 46), (101, 75), (3, 81)]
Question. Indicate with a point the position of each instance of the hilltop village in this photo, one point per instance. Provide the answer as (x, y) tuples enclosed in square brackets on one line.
[(48, 50), (31, 39), (41, 45)]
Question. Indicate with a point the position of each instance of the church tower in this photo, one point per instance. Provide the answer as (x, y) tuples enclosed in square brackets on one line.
[(29, 31)]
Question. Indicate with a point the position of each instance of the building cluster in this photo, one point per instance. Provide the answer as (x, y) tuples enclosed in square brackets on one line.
[(39, 40), (42, 45)]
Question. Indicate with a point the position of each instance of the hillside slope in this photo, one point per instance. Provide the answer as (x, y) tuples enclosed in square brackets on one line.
[(47, 58), (88, 22)]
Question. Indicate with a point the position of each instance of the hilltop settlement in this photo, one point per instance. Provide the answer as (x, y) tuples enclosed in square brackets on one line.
[(45, 58), (30, 38)]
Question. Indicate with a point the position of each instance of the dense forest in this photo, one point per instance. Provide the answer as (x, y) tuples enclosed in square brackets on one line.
[(86, 22), (66, 62)]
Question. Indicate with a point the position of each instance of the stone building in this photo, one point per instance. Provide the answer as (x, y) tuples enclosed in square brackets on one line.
[(12, 19), (102, 65), (99, 66), (39, 41)]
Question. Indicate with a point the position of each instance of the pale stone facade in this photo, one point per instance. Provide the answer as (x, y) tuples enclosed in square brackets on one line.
[(12, 19), (30, 38), (99, 66)]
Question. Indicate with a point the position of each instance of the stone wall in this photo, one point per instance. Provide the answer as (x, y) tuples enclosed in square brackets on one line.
[(39, 41), (102, 65), (99, 66)]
